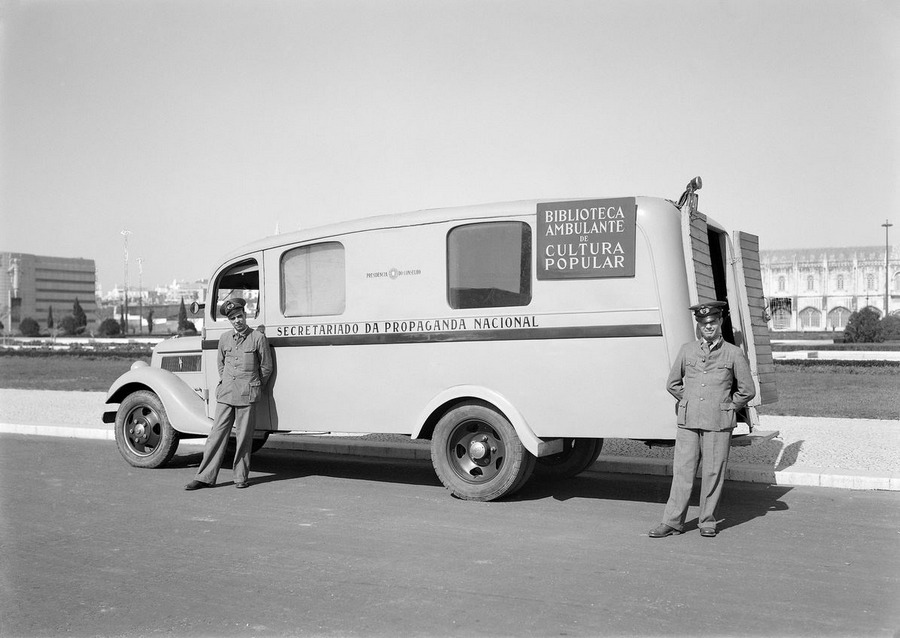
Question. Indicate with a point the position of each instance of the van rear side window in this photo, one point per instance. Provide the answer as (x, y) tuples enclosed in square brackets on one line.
[(313, 281), (489, 265)]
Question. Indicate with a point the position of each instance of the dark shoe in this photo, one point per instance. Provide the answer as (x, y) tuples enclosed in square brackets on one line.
[(196, 485), (709, 532), (662, 530), (241, 484)]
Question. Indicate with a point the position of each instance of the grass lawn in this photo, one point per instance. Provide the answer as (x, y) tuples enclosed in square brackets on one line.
[(817, 391), (837, 391), (63, 372)]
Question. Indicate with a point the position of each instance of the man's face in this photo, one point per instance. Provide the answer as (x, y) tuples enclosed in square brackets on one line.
[(238, 320), (711, 329)]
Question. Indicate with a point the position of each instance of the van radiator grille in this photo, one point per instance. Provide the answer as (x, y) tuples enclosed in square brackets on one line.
[(181, 363)]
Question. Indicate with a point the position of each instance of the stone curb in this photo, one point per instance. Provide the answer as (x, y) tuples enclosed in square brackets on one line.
[(412, 450)]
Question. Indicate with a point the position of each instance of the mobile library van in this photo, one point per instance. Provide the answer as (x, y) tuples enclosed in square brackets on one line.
[(510, 335)]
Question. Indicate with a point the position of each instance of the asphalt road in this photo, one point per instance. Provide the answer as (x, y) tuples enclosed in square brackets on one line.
[(340, 546)]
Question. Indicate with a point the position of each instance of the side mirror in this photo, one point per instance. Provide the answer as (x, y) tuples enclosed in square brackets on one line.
[(195, 307)]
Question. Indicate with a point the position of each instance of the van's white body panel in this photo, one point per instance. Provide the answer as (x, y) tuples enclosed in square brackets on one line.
[(585, 358)]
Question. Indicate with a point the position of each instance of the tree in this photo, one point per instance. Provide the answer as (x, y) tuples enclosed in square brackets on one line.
[(862, 327), (890, 328), (109, 328), (185, 326), (50, 318), (150, 322), (67, 325), (29, 327), (80, 317)]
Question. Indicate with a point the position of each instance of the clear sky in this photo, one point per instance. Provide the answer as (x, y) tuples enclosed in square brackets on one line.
[(202, 125)]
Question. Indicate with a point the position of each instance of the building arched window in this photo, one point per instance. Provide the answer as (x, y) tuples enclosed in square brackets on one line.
[(781, 283), (837, 318), (840, 282), (781, 319), (810, 283), (870, 282), (810, 318), (896, 284)]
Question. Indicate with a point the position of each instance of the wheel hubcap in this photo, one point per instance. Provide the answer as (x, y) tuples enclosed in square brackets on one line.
[(476, 452), (142, 430)]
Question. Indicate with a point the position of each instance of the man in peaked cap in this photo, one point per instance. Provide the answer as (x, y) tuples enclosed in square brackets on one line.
[(711, 380), (245, 365)]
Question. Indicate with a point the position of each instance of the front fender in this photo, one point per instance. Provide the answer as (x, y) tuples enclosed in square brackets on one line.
[(532, 442), (185, 409)]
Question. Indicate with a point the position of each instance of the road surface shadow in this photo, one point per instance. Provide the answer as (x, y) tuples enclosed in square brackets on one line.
[(741, 502)]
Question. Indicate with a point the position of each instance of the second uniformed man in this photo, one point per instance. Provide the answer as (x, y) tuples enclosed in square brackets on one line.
[(245, 365), (711, 380)]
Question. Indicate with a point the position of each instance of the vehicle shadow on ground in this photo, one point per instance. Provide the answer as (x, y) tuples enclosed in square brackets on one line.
[(741, 502), (268, 466)]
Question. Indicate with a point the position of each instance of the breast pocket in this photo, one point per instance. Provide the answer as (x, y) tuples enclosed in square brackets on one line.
[(248, 361)]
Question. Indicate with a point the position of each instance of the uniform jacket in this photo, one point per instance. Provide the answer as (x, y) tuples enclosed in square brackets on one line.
[(710, 385), (245, 365)]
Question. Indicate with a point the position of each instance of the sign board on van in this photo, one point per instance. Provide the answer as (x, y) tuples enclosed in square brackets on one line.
[(586, 239)]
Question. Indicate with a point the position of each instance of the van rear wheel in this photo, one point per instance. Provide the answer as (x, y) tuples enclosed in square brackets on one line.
[(577, 456), (144, 436), (477, 454)]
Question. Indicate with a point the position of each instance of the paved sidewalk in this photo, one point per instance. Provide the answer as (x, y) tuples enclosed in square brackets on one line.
[(841, 453)]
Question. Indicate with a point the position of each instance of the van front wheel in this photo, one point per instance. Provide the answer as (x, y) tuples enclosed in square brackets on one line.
[(144, 435), (478, 455)]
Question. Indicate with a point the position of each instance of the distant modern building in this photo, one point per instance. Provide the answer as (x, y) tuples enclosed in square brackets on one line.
[(816, 289), (30, 285)]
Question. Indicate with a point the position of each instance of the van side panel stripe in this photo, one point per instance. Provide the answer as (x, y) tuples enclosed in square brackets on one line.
[(520, 334)]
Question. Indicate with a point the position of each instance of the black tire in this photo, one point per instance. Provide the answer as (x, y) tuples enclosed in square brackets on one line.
[(258, 444), (478, 455), (143, 432), (577, 456)]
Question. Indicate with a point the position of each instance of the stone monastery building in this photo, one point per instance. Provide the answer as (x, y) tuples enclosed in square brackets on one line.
[(816, 289)]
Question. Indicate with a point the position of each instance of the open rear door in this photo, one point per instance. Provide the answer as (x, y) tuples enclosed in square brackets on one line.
[(759, 347), (697, 258)]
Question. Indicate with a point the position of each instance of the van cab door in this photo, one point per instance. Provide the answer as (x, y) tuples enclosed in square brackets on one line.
[(238, 278)]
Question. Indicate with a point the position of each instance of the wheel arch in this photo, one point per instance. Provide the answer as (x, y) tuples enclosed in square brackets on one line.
[(186, 410), (452, 397)]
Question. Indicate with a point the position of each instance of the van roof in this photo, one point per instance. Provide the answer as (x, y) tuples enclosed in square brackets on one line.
[(398, 220)]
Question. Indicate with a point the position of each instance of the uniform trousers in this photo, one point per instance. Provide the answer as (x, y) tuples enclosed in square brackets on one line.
[(228, 416), (690, 446)]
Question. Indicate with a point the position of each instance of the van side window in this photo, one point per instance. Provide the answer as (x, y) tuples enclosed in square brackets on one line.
[(489, 265), (240, 280), (312, 280)]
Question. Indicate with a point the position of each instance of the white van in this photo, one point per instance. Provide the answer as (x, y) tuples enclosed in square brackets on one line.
[(508, 334)]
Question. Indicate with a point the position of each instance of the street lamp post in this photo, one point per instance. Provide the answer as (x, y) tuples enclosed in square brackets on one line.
[(140, 261), (887, 225), (125, 234)]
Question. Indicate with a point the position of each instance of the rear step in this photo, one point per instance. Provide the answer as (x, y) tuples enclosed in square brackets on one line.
[(737, 440), (757, 436)]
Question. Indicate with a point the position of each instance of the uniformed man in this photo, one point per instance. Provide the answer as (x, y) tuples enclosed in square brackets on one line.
[(711, 381), (245, 365)]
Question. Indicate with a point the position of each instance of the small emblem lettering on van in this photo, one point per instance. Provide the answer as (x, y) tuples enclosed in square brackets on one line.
[(393, 273)]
